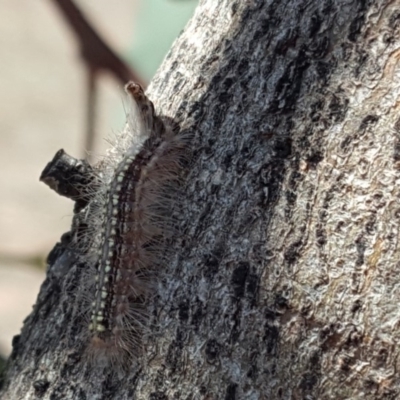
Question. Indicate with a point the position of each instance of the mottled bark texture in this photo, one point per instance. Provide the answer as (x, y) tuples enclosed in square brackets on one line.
[(282, 282)]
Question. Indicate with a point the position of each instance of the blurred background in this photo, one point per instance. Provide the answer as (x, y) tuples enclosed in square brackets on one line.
[(44, 106)]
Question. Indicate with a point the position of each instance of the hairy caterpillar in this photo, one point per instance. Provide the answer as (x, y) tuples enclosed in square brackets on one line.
[(126, 219)]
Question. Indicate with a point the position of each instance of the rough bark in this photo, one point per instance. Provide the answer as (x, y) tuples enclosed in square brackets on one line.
[(283, 280)]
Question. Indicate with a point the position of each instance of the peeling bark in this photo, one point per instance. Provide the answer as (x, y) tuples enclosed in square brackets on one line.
[(283, 280)]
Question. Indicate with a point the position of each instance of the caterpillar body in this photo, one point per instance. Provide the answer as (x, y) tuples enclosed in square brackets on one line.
[(128, 219)]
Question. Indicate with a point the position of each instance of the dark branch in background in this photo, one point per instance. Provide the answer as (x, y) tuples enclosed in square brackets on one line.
[(98, 57), (91, 100)]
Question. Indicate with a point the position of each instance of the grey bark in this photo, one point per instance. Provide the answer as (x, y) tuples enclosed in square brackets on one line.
[(282, 282)]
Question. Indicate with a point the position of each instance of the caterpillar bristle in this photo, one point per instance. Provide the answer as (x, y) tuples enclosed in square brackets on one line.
[(122, 232)]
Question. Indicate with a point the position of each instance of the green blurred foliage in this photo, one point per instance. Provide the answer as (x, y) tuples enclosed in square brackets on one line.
[(157, 25)]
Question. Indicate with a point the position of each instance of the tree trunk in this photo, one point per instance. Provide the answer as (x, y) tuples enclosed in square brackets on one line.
[(282, 281)]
